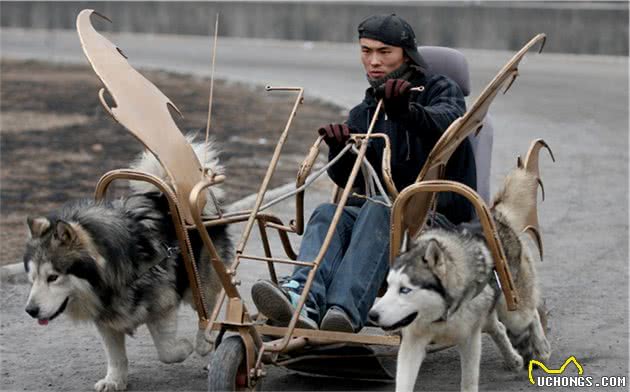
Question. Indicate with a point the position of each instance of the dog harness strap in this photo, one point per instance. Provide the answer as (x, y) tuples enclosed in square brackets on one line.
[(496, 285), (171, 251), (439, 288), (472, 291)]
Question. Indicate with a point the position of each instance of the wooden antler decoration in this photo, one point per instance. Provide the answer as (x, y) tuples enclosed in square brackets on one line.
[(530, 166)]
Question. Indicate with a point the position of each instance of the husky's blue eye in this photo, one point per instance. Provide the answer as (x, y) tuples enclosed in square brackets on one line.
[(52, 278), (405, 290)]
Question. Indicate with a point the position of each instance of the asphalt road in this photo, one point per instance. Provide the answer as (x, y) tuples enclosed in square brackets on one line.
[(578, 104)]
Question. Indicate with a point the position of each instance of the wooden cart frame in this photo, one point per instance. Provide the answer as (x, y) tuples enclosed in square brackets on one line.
[(144, 111)]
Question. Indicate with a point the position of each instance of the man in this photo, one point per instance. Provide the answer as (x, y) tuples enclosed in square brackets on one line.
[(419, 107)]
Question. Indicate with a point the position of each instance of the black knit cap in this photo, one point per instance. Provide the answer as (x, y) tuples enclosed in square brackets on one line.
[(395, 31)]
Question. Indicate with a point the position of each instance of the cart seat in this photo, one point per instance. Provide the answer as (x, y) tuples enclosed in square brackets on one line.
[(452, 63)]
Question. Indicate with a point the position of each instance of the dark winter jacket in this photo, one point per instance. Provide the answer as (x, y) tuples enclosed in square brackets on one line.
[(412, 138)]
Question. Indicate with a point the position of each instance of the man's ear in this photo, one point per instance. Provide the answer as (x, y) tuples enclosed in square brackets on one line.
[(65, 233), (37, 226)]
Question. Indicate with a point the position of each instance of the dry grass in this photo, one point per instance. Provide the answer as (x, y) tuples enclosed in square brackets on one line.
[(56, 140)]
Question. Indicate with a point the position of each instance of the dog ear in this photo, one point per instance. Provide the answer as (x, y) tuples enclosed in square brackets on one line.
[(65, 233), (433, 255), (37, 226)]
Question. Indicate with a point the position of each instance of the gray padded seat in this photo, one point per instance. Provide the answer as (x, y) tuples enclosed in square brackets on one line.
[(452, 63)]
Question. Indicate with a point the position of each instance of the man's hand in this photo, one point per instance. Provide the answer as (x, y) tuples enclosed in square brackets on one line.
[(395, 93), (335, 134), (394, 89)]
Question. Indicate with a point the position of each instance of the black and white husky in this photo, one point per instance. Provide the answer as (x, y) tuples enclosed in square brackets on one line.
[(443, 290), (118, 264)]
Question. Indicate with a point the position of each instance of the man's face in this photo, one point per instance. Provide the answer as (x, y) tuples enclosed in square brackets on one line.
[(379, 59)]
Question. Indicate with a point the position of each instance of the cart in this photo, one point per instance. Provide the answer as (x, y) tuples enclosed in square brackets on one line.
[(244, 343)]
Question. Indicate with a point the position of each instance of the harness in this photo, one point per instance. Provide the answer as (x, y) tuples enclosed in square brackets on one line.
[(471, 291), (170, 252)]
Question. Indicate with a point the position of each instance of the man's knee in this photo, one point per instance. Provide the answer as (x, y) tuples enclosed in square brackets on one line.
[(376, 210), (324, 213)]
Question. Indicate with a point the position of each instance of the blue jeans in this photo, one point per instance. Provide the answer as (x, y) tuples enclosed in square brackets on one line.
[(356, 263)]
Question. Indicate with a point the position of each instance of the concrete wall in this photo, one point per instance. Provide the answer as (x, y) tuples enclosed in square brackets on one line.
[(595, 28)]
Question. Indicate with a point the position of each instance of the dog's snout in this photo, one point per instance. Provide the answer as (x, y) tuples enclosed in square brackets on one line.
[(373, 317), (33, 310)]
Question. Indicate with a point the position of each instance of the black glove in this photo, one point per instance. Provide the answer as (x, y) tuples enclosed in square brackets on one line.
[(335, 134), (395, 93)]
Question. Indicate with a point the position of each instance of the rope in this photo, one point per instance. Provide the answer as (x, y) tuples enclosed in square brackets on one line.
[(365, 165), (375, 178), (308, 181)]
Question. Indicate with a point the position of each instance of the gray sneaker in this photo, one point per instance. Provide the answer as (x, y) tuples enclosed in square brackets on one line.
[(279, 305), (336, 320)]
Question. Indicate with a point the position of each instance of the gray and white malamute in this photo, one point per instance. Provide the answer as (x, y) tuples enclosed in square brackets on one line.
[(443, 290), (118, 264)]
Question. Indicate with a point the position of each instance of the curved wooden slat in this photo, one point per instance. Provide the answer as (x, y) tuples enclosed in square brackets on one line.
[(485, 218), (143, 109)]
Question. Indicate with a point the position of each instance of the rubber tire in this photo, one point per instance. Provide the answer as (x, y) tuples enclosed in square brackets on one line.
[(225, 364)]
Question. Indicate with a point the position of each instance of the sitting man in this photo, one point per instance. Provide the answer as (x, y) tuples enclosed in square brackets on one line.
[(419, 107)]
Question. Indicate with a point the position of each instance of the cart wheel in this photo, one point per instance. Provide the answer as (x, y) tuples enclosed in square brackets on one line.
[(227, 370)]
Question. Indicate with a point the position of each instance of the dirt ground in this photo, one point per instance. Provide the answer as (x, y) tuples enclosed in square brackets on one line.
[(57, 140)]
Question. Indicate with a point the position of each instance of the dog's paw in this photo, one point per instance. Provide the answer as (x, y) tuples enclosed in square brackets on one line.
[(184, 349), (542, 350), (515, 363), (110, 385), (203, 347), (541, 346), (177, 352), (204, 343)]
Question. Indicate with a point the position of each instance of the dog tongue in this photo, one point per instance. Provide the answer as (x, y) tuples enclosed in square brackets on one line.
[(42, 322)]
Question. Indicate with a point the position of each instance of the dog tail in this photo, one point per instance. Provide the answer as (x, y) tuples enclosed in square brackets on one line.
[(517, 200), (147, 162)]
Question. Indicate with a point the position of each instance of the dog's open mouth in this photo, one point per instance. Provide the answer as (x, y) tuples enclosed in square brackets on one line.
[(402, 323), (45, 321)]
